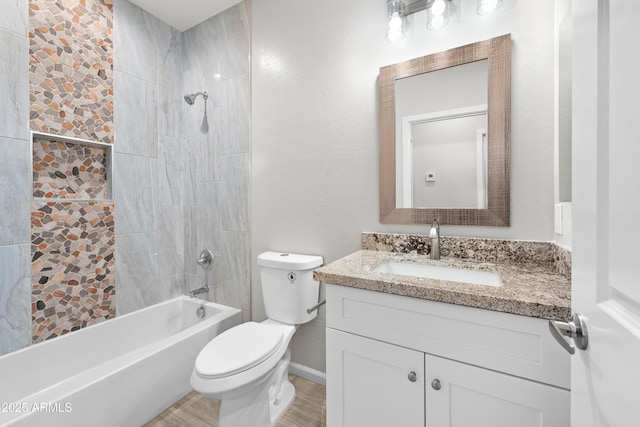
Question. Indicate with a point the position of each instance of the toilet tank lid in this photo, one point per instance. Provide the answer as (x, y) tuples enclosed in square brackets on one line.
[(287, 261)]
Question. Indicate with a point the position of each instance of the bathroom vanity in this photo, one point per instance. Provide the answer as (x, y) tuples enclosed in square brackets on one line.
[(410, 350)]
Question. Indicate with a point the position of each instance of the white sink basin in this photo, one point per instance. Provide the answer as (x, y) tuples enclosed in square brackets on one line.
[(451, 274)]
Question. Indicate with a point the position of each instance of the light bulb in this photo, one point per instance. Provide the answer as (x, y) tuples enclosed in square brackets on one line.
[(395, 33), (395, 23), (488, 6), (438, 7)]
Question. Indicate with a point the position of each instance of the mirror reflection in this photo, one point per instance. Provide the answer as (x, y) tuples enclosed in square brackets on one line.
[(449, 163), (441, 136)]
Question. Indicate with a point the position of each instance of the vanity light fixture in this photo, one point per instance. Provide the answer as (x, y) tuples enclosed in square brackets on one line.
[(439, 12), (397, 11)]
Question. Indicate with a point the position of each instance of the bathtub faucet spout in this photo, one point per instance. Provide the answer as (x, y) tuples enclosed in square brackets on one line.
[(202, 290)]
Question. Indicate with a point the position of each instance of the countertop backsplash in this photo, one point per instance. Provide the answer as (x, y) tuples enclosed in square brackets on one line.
[(542, 254)]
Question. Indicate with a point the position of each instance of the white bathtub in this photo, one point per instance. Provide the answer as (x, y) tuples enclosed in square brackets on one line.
[(122, 372)]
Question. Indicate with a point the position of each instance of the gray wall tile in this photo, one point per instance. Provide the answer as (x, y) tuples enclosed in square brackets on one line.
[(15, 298), (234, 192), (15, 191), (137, 272), (134, 188), (14, 85), (171, 244), (134, 38), (136, 118), (14, 16)]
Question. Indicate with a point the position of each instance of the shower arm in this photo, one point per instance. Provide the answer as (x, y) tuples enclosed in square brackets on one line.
[(204, 95)]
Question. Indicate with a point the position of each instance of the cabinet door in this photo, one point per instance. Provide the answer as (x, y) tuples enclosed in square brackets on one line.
[(371, 383), (472, 396)]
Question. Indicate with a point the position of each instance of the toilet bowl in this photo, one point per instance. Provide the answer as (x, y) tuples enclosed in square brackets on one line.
[(246, 367)]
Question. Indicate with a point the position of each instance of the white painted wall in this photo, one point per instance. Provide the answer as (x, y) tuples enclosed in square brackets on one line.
[(562, 136), (315, 127)]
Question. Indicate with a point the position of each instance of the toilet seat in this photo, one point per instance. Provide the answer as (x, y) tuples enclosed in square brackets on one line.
[(238, 349)]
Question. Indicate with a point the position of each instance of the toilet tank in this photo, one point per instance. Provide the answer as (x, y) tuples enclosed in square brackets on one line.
[(288, 288)]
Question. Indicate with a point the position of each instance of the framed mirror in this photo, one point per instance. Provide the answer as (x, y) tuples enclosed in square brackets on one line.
[(445, 137)]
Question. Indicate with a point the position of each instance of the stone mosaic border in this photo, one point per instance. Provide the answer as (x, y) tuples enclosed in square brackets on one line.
[(72, 266), (71, 68)]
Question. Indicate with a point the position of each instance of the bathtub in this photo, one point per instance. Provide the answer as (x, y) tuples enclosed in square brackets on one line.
[(121, 372)]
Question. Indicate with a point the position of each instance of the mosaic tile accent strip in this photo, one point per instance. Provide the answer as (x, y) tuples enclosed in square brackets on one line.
[(72, 266), (71, 68), (70, 171)]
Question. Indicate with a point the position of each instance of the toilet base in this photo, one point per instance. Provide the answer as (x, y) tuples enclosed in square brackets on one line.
[(254, 408), (287, 395), (262, 404)]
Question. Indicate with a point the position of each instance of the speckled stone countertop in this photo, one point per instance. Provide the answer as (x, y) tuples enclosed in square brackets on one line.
[(527, 289)]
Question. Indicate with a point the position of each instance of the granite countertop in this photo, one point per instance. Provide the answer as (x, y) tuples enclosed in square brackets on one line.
[(529, 290)]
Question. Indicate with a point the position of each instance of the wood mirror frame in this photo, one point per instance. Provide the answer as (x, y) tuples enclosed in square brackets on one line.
[(498, 52)]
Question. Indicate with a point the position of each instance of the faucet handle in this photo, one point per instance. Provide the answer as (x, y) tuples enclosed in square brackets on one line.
[(206, 259)]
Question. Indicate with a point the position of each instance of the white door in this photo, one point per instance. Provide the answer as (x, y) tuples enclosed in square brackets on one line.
[(606, 211), (461, 395), (373, 383)]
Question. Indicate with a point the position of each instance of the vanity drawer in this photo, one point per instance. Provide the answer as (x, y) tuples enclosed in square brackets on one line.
[(510, 343)]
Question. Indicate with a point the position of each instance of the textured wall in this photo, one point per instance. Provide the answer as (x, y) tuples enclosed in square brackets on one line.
[(315, 127)]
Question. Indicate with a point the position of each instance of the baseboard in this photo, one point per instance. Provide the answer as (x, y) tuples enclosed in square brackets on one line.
[(308, 373)]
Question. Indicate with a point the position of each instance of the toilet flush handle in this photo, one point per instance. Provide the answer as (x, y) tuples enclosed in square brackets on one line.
[(317, 306)]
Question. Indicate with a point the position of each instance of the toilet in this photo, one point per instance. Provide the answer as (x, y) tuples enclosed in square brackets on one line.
[(246, 367)]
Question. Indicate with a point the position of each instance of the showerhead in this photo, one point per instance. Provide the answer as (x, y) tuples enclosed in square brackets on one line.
[(191, 98)]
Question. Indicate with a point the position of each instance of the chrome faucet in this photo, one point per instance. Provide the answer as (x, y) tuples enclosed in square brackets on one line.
[(202, 290), (434, 235), (206, 262)]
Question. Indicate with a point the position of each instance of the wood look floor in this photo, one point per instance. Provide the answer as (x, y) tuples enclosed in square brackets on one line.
[(196, 410)]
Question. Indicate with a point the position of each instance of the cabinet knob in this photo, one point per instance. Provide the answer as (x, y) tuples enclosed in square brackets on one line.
[(436, 384), (412, 377)]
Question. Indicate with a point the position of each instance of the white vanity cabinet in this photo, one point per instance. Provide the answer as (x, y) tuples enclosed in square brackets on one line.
[(401, 361)]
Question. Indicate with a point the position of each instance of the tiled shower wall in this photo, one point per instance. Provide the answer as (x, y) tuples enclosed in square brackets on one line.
[(177, 190), (216, 59)]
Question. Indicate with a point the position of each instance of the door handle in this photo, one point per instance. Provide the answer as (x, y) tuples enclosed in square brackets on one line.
[(568, 333)]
